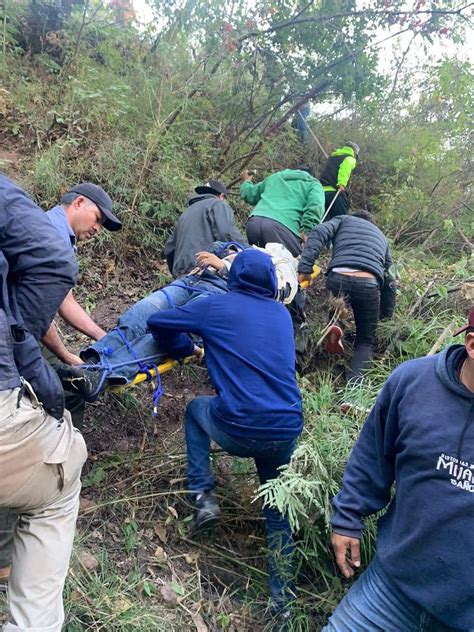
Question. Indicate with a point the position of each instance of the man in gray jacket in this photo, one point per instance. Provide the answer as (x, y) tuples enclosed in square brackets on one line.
[(359, 271), (41, 455), (208, 218)]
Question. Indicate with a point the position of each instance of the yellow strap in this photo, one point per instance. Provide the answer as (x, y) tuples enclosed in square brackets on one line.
[(316, 272), (169, 364)]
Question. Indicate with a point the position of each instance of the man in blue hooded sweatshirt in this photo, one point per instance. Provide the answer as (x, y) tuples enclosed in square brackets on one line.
[(250, 357), (420, 436)]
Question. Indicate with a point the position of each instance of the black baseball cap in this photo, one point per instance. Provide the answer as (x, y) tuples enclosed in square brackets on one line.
[(96, 194), (212, 186)]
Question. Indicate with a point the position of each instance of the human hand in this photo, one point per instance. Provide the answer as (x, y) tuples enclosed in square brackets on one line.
[(72, 359), (245, 175), (304, 278), (341, 188), (304, 238), (343, 545), (208, 259), (198, 352)]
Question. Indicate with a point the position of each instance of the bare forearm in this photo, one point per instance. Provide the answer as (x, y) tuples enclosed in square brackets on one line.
[(78, 318), (53, 342)]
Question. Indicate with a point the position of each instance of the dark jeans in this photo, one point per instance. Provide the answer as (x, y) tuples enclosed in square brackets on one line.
[(263, 230), (374, 603), (363, 295), (340, 207), (200, 428)]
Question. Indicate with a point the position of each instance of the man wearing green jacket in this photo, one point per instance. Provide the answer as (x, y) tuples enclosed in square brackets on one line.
[(335, 178), (289, 204)]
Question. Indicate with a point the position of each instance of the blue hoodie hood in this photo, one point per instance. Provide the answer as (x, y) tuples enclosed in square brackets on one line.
[(253, 271)]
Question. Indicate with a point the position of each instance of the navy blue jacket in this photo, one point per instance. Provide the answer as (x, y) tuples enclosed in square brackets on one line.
[(250, 354), (37, 270), (420, 436)]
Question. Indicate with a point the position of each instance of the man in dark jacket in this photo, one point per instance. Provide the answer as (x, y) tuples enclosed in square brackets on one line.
[(257, 410), (359, 271), (419, 437), (41, 455), (335, 178), (207, 219)]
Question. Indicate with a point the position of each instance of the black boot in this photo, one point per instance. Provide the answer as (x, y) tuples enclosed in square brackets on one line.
[(207, 512), (86, 383)]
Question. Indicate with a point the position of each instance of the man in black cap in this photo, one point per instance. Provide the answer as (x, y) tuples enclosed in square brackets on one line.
[(79, 216), (208, 218)]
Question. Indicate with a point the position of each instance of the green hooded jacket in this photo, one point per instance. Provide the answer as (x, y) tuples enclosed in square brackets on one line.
[(292, 197)]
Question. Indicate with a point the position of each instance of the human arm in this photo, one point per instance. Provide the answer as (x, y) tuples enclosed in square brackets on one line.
[(170, 247), (77, 317), (318, 239), (314, 209), (53, 342), (369, 473), (250, 192), (41, 266), (346, 168), (388, 293), (170, 327)]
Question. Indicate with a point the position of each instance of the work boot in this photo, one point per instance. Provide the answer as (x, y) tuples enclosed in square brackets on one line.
[(86, 383), (333, 340), (207, 512)]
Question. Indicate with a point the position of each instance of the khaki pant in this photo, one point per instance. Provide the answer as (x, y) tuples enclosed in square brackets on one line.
[(40, 467)]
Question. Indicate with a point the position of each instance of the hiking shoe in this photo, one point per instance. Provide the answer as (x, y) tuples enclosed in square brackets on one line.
[(207, 512), (333, 340), (83, 382)]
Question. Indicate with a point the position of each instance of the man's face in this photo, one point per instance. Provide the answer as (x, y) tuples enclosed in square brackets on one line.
[(85, 218)]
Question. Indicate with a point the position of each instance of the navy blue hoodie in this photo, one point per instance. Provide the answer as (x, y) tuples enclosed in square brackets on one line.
[(420, 435), (250, 352)]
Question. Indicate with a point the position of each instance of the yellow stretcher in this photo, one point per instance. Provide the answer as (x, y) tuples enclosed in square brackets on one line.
[(169, 364)]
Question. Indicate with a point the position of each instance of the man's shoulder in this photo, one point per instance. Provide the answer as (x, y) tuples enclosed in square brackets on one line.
[(414, 368)]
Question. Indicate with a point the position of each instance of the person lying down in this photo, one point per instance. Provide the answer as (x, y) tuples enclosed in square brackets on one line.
[(130, 348)]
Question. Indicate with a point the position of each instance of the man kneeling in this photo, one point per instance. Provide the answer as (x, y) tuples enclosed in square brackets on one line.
[(250, 357)]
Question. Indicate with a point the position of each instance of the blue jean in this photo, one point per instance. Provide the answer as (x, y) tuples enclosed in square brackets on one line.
[(375, 604), (200, 428), (132, 327)]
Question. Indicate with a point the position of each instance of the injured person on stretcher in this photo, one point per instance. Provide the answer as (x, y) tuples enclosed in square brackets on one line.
[(130, 349)]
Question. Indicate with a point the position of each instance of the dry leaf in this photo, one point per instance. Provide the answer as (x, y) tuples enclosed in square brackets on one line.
[(168, 594), (160, 531), (86, 505), (160, 554), (173, 511), (88, 561), (199, 623)]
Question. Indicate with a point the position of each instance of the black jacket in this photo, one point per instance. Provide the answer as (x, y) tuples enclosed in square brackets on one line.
[(207, 219), (358, 244), (37, 270)]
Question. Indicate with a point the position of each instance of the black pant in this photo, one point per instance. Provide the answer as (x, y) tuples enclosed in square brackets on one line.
[(263, 230), (340, 206), (363, 295)]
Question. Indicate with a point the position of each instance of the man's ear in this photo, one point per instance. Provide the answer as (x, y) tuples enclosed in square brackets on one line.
[(469, 342)]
